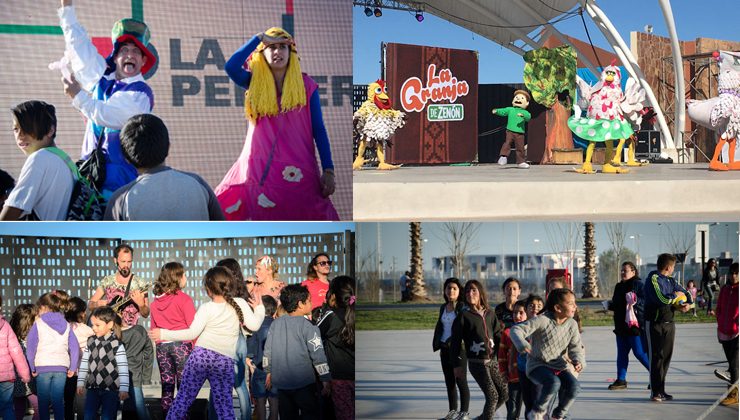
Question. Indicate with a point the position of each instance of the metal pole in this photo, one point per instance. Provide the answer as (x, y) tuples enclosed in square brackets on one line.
[(680, 90), (518, 273)]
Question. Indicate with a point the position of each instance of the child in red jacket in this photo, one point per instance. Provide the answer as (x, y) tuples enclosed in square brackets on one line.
[(727, 328), (507, 363)]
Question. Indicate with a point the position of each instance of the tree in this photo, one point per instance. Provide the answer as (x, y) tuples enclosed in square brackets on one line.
[(616, 232), (590, 285), (550, 74), (418, 288), (680, 242), (610, 262), (459, 239), (369, 277), (563, 239)]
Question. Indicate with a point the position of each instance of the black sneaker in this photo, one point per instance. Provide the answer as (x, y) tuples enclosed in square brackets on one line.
[(657, 398), (667, 397), (618, 384)]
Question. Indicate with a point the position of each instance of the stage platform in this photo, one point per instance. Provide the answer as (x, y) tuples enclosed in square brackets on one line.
[(687, 192)]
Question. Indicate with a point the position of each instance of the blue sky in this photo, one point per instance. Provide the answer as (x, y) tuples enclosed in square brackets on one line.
[(169, 230), (694, 19), (498, 238)]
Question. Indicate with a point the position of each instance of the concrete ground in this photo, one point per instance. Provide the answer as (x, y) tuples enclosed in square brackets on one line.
[(399, 377), (492, 192)]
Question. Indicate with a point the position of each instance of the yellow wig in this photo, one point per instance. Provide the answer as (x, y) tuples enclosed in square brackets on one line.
[(261, 98)]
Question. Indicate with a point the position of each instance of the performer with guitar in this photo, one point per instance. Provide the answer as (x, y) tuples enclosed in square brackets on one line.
[(123, 290)]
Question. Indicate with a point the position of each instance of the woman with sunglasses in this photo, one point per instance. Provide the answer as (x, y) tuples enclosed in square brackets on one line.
[(317, 281), (266, 282)]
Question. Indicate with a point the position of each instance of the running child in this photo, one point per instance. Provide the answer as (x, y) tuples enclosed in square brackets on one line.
[(174, 310), (337, 327), (11, 361), (53, 352), (442, 340), (216, 325), (507, 364), (554, 334), (480, 329), (103, 376)]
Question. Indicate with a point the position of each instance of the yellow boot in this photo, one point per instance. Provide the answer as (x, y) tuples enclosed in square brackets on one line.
[(613, 161), (587, 168), (381, 158), (360, 160), (631, 154), (731, 397)]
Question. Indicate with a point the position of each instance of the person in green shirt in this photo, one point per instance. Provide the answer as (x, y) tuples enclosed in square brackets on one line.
[(517, 115)]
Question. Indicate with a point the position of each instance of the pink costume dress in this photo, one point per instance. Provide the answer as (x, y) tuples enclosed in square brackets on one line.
[(277, 176)]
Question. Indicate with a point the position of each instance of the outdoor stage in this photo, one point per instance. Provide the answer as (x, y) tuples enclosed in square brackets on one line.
[(490, 192)]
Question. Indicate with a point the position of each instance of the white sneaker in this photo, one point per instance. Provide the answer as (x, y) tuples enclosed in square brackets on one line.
[(463, 415), (503, 160), (523, 165), (450, 416), (725, 376)]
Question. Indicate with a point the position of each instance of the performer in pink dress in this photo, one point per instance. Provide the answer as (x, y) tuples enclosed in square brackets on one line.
[(277, 176)]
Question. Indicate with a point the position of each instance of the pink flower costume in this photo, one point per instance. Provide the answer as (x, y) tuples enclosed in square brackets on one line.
[(276, 176)]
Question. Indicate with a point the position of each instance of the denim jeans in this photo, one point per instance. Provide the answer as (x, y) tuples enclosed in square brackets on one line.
[(136, 401), (624, 345), (50, 390), (551, 384), (95, 398), (6, 400)]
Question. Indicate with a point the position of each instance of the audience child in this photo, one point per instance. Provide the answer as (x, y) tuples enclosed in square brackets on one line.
[(507, 364), (662, 298), (174, 310), (504, 310), (53, 352), (727, 329), (442, 341), (553, 334), (691, 287), (337, 327), (75, 315), (103, 377), (216, 325), (256, 345), (534, 305), (293, 350), (11, 361), (25, 392)]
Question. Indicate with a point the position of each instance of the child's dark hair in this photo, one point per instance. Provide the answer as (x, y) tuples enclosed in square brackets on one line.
[(292, 295), (239, 286), (342, 289), (533, 298), (556, 297), (56, 301), (36, 118), (76, 307), (520, 303), (145, 141), (690, 282), (631, 265), (169, 278), (510, 280), (107, 314), (219, 281), (665, 261), (22, 319), (270, 305), (483, 299), (456, 281), (311, 271)]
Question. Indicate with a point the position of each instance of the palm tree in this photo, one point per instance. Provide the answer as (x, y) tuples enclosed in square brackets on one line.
[(590, 287), (418, 289)]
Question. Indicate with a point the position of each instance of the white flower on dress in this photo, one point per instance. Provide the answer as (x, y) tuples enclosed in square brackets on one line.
[(292, 174), (265, 202)]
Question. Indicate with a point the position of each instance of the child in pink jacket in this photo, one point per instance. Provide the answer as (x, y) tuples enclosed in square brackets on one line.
[(11, 359)]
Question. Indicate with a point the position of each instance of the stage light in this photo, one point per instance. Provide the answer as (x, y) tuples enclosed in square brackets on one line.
[(378, 12), (368, 11), (419, 16)]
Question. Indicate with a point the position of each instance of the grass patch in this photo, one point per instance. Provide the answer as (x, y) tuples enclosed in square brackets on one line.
[(425, 319)]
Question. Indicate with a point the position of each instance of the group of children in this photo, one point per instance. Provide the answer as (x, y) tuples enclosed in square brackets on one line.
[(51, 357), (529, 351)]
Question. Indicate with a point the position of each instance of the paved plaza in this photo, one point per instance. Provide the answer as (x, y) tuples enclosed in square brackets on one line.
[(399, 377)]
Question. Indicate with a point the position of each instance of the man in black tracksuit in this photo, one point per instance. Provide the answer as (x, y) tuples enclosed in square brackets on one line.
[(660, 298)]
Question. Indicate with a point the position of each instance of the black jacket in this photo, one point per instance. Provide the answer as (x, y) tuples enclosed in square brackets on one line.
[(619, 305), (340, 356), (436, 340), (481, 334)]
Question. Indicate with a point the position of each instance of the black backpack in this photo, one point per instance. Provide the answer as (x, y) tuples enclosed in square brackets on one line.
[(86, 202)]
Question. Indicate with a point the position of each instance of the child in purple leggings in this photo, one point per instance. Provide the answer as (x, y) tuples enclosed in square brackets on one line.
[(173, 310), (216, 325)]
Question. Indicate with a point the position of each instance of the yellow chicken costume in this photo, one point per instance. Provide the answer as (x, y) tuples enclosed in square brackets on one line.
[(374, 124)]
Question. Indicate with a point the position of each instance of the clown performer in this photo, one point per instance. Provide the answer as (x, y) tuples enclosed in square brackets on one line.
[(108, 91), (374, 124), (276, 176), (517, 115), (722, 113), (611, 113)]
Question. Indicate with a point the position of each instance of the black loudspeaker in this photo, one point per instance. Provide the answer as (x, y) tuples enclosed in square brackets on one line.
[(648, 144)]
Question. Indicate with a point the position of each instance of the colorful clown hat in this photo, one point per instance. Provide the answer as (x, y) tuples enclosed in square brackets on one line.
[(136, 31)]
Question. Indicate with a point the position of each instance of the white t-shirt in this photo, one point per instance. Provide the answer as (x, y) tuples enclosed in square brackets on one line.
[(448, 318), (44, 187)]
